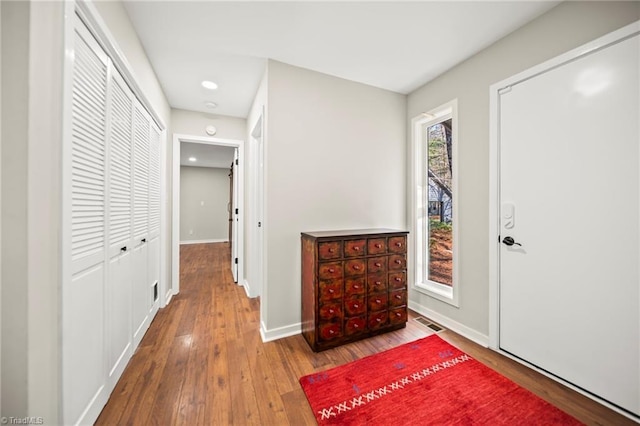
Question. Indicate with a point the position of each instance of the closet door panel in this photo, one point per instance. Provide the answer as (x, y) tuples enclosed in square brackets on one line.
[(142, 294), (83, 345), (154, 213), (119, 213)]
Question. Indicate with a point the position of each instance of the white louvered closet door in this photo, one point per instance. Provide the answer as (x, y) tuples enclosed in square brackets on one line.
[(119, 332), (83, 350), (154, 214), (142, 295)]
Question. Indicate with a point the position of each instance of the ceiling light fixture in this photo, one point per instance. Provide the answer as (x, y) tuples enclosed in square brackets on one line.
[(209, 85), (210, 105), (192, 159)]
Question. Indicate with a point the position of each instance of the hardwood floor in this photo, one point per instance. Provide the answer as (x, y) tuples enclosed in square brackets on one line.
[(202, 361)]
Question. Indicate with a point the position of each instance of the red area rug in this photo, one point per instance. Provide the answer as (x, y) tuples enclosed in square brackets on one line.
[(426, 382)]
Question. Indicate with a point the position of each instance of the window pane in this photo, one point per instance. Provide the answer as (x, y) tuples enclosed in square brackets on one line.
[(440, 203)]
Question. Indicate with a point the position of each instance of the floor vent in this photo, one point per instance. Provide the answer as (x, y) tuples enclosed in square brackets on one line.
[(427, 323)]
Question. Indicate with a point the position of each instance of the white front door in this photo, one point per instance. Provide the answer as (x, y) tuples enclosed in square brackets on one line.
[(569, 222)]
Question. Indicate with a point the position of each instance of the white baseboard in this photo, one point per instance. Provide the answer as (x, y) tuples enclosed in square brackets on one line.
[(167, 297), (452, 325), (280, 332), (204, 241), (247, 288)]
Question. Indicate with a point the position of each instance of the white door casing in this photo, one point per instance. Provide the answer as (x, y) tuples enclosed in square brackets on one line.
[(565, 184), (234, 215), (175, 205)]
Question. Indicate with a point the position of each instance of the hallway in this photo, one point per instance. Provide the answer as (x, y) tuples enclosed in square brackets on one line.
[(202, 361)]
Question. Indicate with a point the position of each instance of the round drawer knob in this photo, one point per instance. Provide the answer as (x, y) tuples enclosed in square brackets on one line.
[(330, 311), (398, 314), (398, 279), (378, 245), (398, 244), (331, 270), (378, 301), (356, 306), (331, 290), (355, 326), (331, 331), (356, 286), (356, 248), (378, 320), (398, 297), (356, 267), (378, 264), (398, 261), (378, 283), (332, 250)]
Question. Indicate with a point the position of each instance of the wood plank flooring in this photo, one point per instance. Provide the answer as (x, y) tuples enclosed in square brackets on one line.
[(202, 361)]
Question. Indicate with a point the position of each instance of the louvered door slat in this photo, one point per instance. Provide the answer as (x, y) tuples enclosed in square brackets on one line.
[(120, 163), (87, 153), (140, 173)]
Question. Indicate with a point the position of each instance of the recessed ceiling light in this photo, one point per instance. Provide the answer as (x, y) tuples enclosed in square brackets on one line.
[(209, 85), (192, 159), (210, 105)]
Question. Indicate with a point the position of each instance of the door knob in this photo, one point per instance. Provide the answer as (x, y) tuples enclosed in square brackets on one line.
[(510, 241)]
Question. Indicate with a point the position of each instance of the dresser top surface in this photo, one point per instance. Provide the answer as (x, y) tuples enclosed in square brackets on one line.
[(353, 232)]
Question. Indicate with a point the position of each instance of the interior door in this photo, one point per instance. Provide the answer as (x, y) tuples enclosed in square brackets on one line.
[(569, 194), (234, 216)]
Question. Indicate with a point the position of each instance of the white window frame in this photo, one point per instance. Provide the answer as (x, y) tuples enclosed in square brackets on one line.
[(419, 203)]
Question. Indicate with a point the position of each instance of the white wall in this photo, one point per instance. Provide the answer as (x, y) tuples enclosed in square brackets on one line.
[(15, 56), (204, 196), (194, 123), (0, 208), (565, 27), (335, 159)]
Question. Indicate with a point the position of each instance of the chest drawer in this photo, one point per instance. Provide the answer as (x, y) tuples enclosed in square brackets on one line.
[(330, 250), (397, 298), (378, 302), (376, 283), (397, 280), (376, 246), (397, 244), (397, 262), (354, 267), (330, 270), (355, 285), (377, 265), (354, 248), (330, 290)]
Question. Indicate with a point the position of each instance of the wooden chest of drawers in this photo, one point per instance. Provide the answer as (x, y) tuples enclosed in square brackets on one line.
[(354, 285)]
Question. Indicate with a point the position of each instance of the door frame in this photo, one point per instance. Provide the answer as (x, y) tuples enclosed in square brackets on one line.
[(175, 203), (494, 158)]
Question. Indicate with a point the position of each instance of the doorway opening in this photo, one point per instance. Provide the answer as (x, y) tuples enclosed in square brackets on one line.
[(236, 147)]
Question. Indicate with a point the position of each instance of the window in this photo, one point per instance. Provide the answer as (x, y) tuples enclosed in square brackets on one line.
[(434, 204)]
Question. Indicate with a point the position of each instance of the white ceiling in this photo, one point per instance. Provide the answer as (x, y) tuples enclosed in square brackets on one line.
[(206, 155), (397, 46)]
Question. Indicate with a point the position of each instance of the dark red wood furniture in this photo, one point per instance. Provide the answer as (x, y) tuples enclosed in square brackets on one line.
[(354, 285)]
